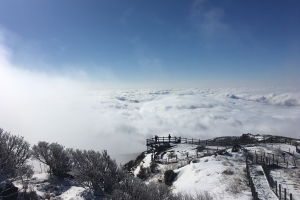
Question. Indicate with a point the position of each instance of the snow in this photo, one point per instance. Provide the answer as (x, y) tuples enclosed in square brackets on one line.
[(208, 175), (205, 175), (223, 176)]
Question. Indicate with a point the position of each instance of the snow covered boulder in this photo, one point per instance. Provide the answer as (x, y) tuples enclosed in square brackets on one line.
[(7, 189)]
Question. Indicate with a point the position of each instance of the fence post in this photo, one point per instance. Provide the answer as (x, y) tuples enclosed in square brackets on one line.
[(250, 180), (284, 193), (273, 159), (276, 188), (291, 196), (251, 185), (279, 191), (192, 141)]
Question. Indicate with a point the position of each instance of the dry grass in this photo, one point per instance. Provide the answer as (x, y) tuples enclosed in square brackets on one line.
[(228, 171)]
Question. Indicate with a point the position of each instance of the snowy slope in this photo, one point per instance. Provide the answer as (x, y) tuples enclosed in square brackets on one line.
[(223, 176)]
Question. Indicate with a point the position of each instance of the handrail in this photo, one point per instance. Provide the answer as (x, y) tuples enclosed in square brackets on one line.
[(220, 141)]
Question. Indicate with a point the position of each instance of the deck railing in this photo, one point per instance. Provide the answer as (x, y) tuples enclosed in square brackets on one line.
[(221, 141)]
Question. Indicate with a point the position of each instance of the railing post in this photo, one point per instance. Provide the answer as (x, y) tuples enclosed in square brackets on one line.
[(279, 191), (284, 193), (291, 196), (276, 188)]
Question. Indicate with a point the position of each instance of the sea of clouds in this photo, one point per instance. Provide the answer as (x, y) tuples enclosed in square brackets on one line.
[(57, 108)]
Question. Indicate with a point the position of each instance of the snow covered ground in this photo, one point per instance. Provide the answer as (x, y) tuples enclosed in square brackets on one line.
[(223, 176), (47, 186)]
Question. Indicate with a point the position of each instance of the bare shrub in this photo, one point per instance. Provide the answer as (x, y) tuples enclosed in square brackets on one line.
[(144, 172), (30, 195), (154, 167), (14, 153), (128, 166), (200, 148), (198, 196), (95, 170), (55, 156), (228, 171), (169, 177), (140, 157), (133, 163), (131, 188)]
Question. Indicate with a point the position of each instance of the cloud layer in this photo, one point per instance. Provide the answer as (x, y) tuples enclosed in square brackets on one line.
[(55, 108)]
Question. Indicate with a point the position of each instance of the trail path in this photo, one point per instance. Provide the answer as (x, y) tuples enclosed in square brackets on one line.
[(261, 183)]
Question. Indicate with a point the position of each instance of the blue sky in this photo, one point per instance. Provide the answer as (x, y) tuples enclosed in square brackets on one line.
[(221, 42)]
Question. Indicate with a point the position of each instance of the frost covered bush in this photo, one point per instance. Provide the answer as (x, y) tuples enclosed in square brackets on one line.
[(30, 195), (55, 156), (95, 170), (170, 175), (128, 166), (154, 167), (14, 152), (132, 188), (133, 163), (198, 196), (144, 172), (200, 148), (140, 157)]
